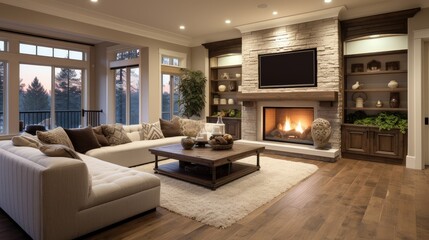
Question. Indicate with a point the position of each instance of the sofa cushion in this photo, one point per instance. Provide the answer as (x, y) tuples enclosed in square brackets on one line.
[(115, 134), (111, 182), (152, 131), (55, 136), (102, 140), (134, 132), (191, 127), (58, 150), (83, 139), (171, 128)]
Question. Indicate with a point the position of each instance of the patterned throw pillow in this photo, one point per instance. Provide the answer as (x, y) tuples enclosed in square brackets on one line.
[(152, 131), (115, 134), (190, 127), (55, 136), (102, 140)]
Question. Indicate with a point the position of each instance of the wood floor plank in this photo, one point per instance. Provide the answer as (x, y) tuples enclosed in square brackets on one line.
[(349, 199)]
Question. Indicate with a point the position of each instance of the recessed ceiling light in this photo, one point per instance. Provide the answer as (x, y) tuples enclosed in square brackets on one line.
[(328, 1), (182, 27), (275, 12), (227, 21), (94, 1)]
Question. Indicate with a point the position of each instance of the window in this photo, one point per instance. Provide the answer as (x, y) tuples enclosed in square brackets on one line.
[(170, 96), (2, 46), (171, 64), (35, 98), (44, 51), (129, 54), (171, 61), (127, 94), (68, 97), (2, 96)]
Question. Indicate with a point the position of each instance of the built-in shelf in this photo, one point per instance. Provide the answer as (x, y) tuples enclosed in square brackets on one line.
[(226, 67), (225, 80), (377, 109), (377, 72), (377, 90)]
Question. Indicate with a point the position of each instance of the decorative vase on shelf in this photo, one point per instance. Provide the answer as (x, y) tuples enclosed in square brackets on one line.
[(222, 88), (379, 104), (356, 85), (393, 84), (394, 100)]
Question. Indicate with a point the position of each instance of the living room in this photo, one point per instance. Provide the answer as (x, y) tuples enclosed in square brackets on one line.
[(103, 39)]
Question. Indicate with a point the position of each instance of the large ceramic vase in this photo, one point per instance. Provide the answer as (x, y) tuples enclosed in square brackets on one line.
[(321, 132)]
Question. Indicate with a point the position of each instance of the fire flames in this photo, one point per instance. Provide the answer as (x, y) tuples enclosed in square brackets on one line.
[(288, 126)]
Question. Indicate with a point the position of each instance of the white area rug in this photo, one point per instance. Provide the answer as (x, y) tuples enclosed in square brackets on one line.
[(233, 201)]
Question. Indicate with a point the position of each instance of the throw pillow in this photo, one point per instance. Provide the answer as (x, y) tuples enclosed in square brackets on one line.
[(25, 141), (58, 150), (152, 131), (83, 139), (170, 128), (115, 134), (190, 127), (102, 140), (55, 136)]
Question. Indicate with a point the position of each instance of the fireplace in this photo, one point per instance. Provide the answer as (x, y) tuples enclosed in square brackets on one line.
[(288, 124)]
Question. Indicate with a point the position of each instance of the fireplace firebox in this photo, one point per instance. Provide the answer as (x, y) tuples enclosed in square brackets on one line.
[(288, 124)]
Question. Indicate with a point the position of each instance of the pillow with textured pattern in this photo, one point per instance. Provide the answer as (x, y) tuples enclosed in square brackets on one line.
[(102, 140), (115, 134), (55, 136), (152, 131)]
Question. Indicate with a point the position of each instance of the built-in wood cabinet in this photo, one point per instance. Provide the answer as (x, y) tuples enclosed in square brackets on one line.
[(373, 73), (369, 143), (374, 83), (225, 83)]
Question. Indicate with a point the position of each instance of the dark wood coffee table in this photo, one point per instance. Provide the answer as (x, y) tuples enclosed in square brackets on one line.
[(205, 166)]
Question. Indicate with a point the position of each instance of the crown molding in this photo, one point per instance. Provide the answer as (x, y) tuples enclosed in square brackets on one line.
[(101, 20), (290, 20)]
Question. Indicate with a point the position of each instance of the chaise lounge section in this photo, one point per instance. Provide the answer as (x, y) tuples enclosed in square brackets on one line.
[(64, 198)]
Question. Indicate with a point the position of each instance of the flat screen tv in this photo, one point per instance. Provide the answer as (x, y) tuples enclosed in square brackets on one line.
[(288, 69)]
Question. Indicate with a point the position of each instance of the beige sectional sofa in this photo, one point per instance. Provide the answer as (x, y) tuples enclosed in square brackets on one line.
[(136, 152), (64, 198)]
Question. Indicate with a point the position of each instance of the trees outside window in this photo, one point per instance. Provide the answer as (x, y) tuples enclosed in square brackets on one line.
[(127, 95), (170, 95), (2, 80), (36, 96)]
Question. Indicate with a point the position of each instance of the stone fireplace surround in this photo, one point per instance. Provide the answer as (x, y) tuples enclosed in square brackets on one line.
[(324, 35)]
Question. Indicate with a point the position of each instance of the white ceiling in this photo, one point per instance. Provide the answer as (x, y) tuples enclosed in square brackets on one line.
[(204, 19)]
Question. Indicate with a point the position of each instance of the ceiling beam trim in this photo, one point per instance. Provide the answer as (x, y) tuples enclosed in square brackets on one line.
[(290, 20)]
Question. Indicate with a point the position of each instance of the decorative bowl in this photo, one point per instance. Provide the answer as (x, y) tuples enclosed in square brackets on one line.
[(221, 146)]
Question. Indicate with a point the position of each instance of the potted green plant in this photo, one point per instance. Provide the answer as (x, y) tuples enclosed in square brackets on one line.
[(192, 95), (385, 121)]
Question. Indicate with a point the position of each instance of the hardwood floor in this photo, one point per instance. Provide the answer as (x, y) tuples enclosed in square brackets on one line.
[(349, 199)]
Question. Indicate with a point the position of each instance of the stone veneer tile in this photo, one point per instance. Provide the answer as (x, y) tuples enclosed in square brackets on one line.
[(322, 34)]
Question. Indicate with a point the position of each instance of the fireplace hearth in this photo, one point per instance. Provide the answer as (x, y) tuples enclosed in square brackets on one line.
[(288, 124)]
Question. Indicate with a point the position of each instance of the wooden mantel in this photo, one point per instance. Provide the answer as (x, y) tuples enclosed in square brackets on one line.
[(321, 96)]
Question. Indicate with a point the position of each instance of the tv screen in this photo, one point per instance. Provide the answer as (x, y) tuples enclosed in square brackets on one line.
[(288, 69)]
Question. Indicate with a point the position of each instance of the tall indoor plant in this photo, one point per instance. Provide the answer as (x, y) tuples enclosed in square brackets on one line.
[(192, 93)]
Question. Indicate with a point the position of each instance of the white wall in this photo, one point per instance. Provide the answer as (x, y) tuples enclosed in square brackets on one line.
[(418, 36), (376, 44)]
